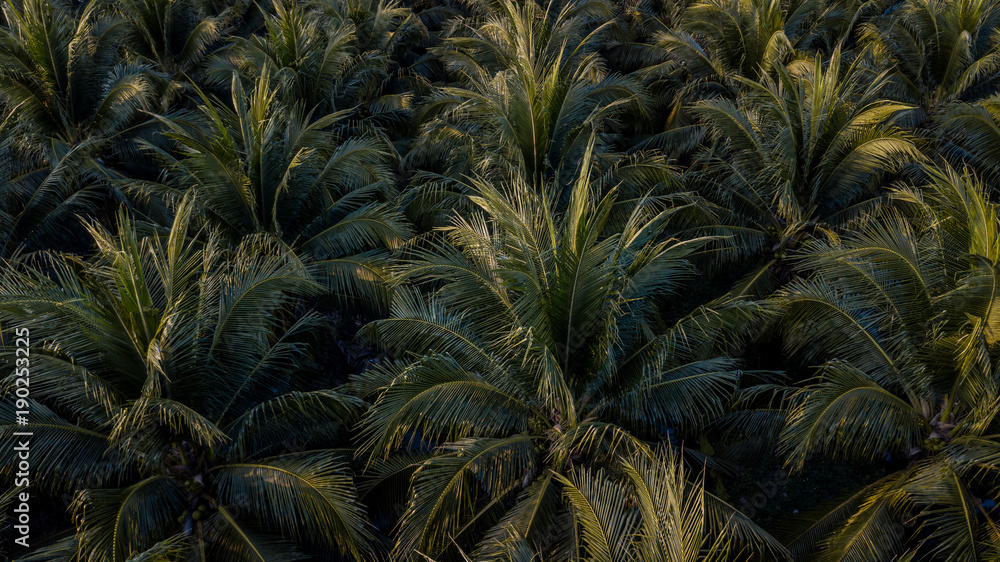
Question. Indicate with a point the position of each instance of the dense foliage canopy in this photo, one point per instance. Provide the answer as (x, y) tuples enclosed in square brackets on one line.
[(501, 280)]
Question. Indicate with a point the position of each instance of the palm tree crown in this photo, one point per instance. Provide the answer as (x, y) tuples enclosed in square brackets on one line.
[(540, 351), (167, 376), (903, 320)]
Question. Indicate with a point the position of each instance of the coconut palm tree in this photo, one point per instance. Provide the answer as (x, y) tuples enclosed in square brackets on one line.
[(970, 134), (718, 39), (43, 194), (311, 55), (63, 79), (901, 317), (172, 35), (937, 51), (532, 88), (651, 514), (263, 167), (685, 52), (803, 155), (532, 91), (166, 388), (315, 53), (701, 52), (531, 344), (68, 102)]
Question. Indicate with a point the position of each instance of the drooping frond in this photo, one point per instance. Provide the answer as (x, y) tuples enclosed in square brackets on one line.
[(308, 497)]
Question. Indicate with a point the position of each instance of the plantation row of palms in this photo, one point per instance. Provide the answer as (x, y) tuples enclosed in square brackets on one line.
[(501, 280)]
